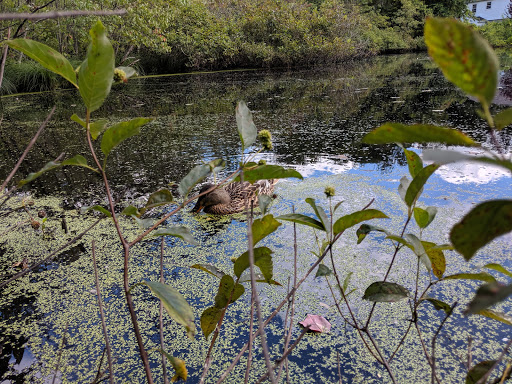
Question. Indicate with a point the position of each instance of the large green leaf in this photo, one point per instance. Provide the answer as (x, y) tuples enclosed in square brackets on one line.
[(302, 219), (97, 71), (436, 257), (419, 250), (176, 231), (78, 161), (209, 320), (119, 132), (424, 217), (158, 198), (263, 227), (482, 276), (348, 221), (384, 292), (211, 269), (228, 289), (481, 225), (46, 56), (246, 127), (415, 188), (266, 172), (196, 174), (503, 119), (488, 295), (464, 56), (414, 162), (262, 259), (175, 305), (34, 175), (418, 133), (478, 371), (320, 214)]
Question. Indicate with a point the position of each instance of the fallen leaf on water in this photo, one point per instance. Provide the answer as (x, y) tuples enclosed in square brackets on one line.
[(23, 264), (316, 323)]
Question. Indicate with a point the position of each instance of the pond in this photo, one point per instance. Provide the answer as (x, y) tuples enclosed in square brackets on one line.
[(49, 318)]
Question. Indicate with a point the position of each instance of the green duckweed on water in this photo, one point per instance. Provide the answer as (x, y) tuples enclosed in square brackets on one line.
[(58, 299)]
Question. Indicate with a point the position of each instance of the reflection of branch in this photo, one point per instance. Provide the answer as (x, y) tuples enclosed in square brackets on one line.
[(59, 14)]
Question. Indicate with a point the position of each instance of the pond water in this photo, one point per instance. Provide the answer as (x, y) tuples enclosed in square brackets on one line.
[(49, 319)]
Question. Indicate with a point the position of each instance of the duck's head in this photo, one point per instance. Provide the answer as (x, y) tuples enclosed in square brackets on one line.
[(215, 197)]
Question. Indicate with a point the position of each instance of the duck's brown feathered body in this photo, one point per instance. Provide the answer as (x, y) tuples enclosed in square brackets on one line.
[(233, 197)]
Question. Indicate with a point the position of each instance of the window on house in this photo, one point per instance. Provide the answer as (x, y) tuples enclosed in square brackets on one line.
[(489, 4), (474, 8)]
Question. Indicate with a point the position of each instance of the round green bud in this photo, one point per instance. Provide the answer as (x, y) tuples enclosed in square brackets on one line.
[(329, 191)]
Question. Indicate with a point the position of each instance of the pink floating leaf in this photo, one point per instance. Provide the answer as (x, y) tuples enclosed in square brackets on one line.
[(316, 323)]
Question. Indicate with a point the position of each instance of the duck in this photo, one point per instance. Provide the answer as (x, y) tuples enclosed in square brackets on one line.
[(231, 198)]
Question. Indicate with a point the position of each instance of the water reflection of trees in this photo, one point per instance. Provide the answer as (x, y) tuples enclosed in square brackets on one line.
[(312, 113)]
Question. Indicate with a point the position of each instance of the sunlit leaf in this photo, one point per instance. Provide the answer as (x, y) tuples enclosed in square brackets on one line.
[(320, 214), (438, 304), (487, 295), (415, 188), (383, 291), (97, 208), (482, 276), (443, 156), (500, 316), (355, 218), (119, 132), (414, 162), (178, 365), (228, 289), (34, 175), (262, 259), (263, 227), (323, 270), (419, 250), (209, 320), (478, 371), (211, 269), (246, 128), (424, 217), (499, 268), (418, 133), (175, 305), (46, 56), (464, 56), (302, 219), (436, 257), (176, 231), (267, 172), (97, 70), (503, 119), (481, 225)]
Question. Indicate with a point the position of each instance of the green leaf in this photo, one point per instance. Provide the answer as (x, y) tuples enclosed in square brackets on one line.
[(246, 277), (263, 227), (176, 231), (500, 316), (211, 269), (78, 161), (196, 174), (246, 128), (266, 172), (119, 132), (346, 281), (228, 289), (338, 204), (46, 56), (262, 259), (355, 218), (131, 211), (481, 225), (436, 257), (418, 133), (263, 202), (438, 304), (414, 162), (302, 219), (178, 365), (419, 250), (175, 305), (78, 120), (323, 270), (478, 371), (97, 71), (97, 208), (464, 56), (503, 119), (384, 292), (320, 214), (209, 320), (365, 229), (97, 128), (482, 276), (443, 156), (499, 268), (424, 217), (34, 175), (403, 186), (415, 188), (488, 295), (158, 198)]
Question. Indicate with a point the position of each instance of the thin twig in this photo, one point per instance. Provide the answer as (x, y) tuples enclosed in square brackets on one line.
[(29, 147), (4, 57), (339, 365), (434, 339), (161, 314), (484, 378), (251, 341), (59, 355), (102, 315), (59, 14), (50, 256), (470, 354), (429, 360), (100, 373)]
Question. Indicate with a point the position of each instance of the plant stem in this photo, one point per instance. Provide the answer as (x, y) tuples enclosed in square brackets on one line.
[(161, 314)]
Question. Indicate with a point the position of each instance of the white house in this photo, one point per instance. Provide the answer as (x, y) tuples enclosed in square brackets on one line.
[(484, 11)]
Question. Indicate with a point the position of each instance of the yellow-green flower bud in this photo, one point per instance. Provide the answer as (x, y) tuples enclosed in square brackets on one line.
[(265, 138), (120, 76), (262, 162), (329, 191)]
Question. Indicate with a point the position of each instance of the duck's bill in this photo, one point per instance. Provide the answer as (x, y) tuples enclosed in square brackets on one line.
[(197, 207)]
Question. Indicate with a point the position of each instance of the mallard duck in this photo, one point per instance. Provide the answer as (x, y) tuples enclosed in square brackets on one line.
[(231, 198)]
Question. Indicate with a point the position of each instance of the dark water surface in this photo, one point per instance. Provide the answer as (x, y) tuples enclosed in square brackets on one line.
[(317, 117)]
